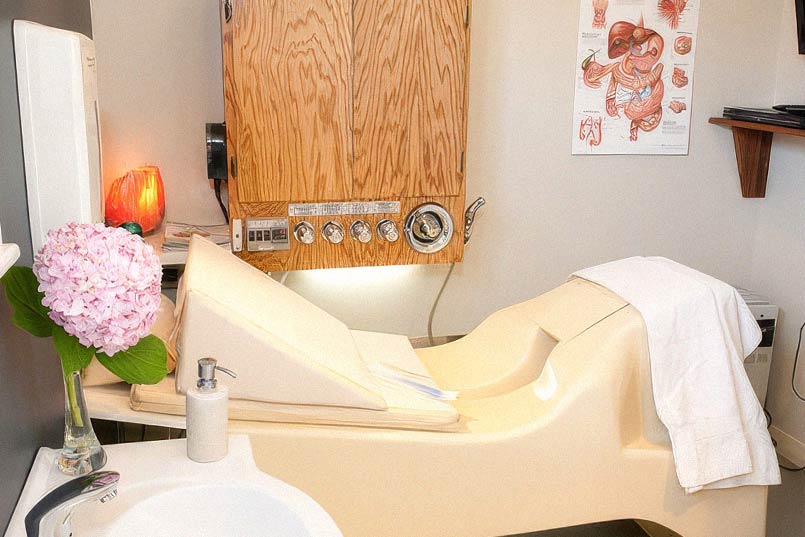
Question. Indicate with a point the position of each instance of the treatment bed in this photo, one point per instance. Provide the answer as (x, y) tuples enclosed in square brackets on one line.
[(553, 422)]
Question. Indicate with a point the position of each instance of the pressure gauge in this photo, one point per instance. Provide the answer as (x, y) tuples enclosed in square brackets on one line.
[(428, 228), (361, 231), (333, 232), (304, 232), (387, 230)]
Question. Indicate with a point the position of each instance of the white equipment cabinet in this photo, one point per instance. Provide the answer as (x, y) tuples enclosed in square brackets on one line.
[(57, 87), (758, 364)]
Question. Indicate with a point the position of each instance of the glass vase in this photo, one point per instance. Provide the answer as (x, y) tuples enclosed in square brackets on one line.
[(82, 453)]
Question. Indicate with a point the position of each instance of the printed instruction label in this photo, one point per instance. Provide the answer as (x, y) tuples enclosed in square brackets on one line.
[(343, 208)]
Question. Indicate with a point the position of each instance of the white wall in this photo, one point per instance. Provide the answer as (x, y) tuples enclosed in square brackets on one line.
[(159, 82), (779, 256), (548, 213)]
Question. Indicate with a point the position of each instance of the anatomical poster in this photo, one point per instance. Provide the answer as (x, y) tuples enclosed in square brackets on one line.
[(634, 83)]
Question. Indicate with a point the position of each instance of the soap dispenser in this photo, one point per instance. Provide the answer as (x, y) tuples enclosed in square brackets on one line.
[(207, 414)]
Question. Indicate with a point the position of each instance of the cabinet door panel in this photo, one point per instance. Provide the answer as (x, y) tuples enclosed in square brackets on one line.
[(292, 75), (410, 76)]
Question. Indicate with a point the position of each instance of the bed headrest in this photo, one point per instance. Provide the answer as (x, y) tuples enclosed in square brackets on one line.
[(314, 337)]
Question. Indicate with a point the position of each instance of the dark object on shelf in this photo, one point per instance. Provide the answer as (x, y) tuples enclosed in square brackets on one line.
[(752, 149), (801, 25), (794, 109), (767, 116)]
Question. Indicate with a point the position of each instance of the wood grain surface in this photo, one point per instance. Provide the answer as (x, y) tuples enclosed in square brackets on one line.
[(297, 147), (753, 152), (410, 77), (293, 77), (351, 253)]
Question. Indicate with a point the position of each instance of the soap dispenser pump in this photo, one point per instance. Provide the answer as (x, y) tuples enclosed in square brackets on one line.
[(207, 414)]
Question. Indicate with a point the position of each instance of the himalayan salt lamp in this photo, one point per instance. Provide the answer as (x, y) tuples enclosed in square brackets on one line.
[(138, 196)]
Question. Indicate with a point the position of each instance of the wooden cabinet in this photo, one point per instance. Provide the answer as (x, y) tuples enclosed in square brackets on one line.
[(346, 101), (292, 67), (410, 77)]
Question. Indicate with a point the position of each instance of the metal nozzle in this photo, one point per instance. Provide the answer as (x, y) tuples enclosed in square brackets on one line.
[(52, 514), (206, 373), (469, 217)]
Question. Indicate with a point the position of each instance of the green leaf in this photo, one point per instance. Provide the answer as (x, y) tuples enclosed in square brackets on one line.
[(144, 363), (74, 356), (22, 291)]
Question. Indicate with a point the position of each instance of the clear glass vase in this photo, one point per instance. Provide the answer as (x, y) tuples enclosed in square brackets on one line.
[(82, 453)]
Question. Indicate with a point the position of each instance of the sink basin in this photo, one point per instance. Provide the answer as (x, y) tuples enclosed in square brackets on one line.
[(186, 509), (163, 493)]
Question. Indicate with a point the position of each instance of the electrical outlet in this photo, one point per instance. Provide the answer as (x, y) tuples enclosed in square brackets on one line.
[(237, 235)]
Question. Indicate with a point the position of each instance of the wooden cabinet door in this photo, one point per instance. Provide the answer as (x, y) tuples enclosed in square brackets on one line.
[(409, 91), (292, 87)]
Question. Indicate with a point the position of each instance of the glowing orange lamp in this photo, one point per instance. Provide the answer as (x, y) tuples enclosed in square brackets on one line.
[(138, 196)]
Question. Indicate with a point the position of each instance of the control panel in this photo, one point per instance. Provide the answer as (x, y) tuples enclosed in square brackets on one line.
[(343, 234), (267, 234), (427, 229), (359, 230)]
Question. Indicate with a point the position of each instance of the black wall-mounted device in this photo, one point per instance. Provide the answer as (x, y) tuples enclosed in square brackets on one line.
[(216, 161), (216, 151)]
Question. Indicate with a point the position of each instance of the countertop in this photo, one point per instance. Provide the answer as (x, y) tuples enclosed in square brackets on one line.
[(152, 463)]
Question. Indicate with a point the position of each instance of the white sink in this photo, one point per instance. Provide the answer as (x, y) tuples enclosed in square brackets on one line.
[(163, 493)]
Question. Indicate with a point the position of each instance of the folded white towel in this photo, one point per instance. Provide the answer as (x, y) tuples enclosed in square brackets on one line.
[(699, 331)]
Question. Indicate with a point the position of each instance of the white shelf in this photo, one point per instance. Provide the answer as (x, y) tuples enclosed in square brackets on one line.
[(167, 259), (173, 258), (9, 253)]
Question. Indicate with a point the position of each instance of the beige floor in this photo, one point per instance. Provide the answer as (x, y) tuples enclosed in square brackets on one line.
[(787, 507)]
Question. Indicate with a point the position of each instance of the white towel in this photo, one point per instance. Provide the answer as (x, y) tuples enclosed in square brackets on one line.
[(699, 332)]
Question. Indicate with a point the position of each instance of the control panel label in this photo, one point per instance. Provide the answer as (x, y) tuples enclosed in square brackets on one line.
[(343, 208)]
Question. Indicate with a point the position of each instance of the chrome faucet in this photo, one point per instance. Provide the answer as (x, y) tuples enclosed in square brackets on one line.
[(50, 517)]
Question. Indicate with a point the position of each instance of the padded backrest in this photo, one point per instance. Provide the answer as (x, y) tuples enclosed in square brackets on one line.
[(272, 307)]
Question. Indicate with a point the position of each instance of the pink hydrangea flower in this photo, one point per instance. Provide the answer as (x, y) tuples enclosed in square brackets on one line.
[(101, 284)]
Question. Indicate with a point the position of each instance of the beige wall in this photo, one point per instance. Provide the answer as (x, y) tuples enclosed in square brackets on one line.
[(548, 213), (779, 250), (159, 82)]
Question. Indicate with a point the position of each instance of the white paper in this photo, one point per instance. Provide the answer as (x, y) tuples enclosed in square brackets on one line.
[(634, 83)]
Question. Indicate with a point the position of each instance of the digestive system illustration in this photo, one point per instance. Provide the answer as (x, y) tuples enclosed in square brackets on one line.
[(677, 106), (600, 14), (683, 45), (670, 11), (680, 78), (590, 130), (635, 85)]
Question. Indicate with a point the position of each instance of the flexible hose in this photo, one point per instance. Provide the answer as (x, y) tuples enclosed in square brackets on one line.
[(436, 303), (796, 363)]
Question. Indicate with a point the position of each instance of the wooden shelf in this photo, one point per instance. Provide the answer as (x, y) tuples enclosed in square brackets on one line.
[(753, 150)]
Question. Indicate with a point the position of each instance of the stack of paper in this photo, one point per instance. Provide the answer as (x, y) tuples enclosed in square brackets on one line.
[(178, 234)]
